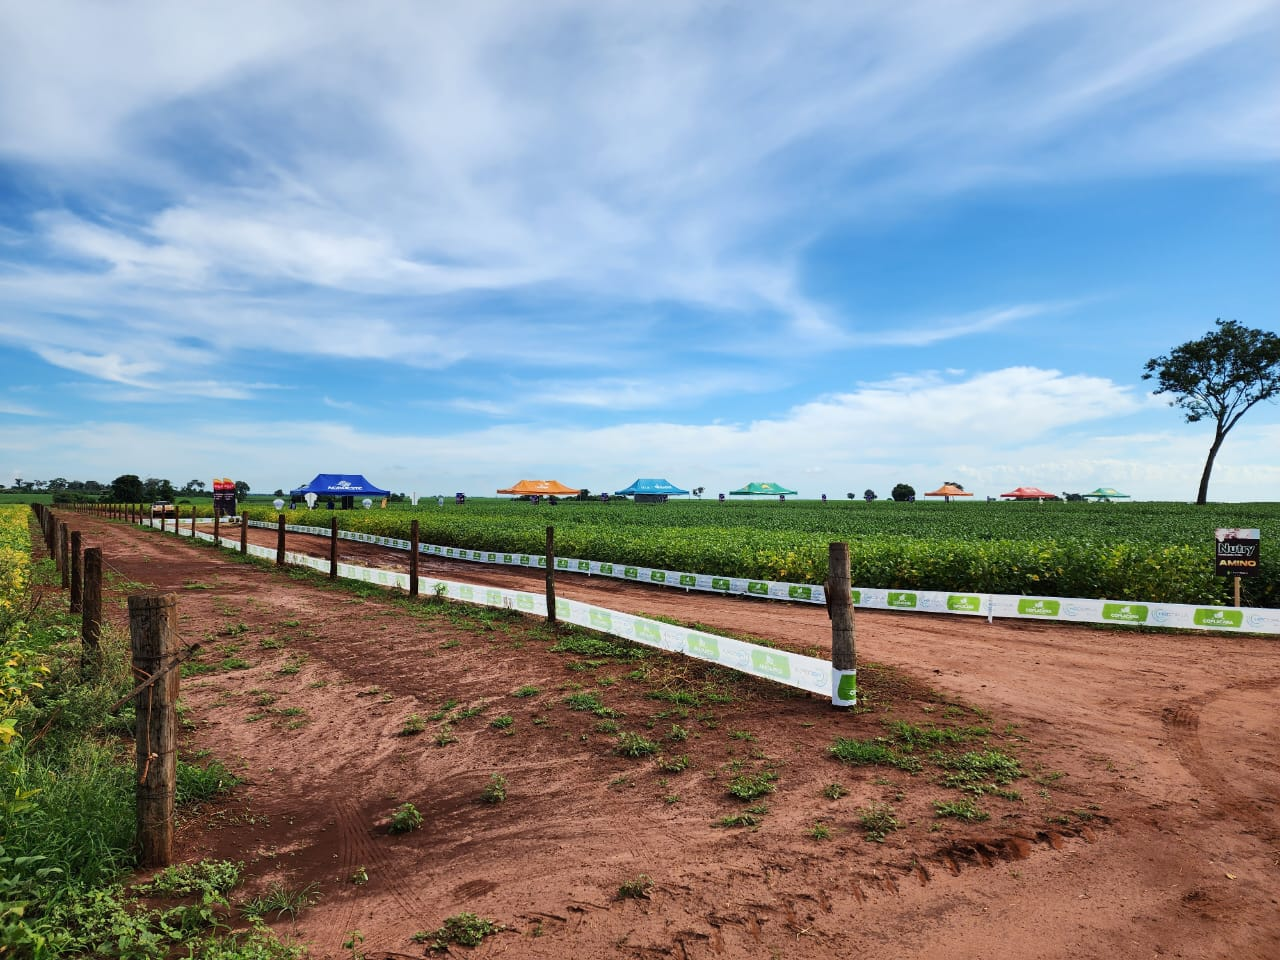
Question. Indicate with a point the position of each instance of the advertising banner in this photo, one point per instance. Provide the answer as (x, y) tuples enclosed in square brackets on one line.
[(1065, 609), (224, 497), (1236, 551)]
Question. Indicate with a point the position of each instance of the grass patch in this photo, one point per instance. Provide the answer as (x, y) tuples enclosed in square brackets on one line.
[(979, 772), (597, 648), (867, 753), (751, 786), (464, 929), (877, 822), (633, 745), (279, 901), (739, 820), (964, 809)]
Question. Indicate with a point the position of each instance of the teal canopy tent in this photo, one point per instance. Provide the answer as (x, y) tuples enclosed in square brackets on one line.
[(762, 490), (651, 490), (1106, 493)]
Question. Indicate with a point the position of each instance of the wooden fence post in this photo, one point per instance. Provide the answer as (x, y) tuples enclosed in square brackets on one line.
[(153, 633), (280, 541), (333, 548), (244, 533), (844, 688), (193, 523), (77, 573), (551, 577), (413, 558), (216, 541), (91, 610), (64, 554)]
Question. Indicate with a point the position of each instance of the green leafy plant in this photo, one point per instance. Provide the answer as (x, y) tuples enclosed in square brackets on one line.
[(878, 821), (675, 764), (753, 785), (739, 820), (414, 723), (496, 789), (465, 929), (503, 722), (834, 791), (820, 831), (638, 889), (634, 745), (526, 691), (404, 819)]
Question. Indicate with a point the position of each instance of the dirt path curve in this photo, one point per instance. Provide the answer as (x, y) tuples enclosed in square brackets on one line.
[(1173, 736)]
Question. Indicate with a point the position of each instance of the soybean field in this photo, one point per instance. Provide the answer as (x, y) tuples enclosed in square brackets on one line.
[(1154, 551)]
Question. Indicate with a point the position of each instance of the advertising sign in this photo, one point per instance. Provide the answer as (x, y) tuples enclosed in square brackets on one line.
[(1236, 552), (224, 497)]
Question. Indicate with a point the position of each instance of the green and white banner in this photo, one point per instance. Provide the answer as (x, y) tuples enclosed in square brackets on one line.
[(1062, 609), (683, 580), (1182, 616), (781, 666)]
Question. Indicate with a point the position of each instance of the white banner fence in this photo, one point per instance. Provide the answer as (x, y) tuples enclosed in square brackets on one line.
[(1132, 613), (810, 674)]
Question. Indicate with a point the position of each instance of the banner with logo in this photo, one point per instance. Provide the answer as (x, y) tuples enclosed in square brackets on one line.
[(1133, 613), (1184, 616)]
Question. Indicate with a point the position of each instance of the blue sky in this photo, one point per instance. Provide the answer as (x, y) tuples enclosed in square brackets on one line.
[(831, 245)]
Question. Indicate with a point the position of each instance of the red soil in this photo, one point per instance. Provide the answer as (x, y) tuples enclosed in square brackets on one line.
[(1148, 824)]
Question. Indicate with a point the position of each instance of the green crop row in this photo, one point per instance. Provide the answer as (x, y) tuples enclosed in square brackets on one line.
[(1159, 552)]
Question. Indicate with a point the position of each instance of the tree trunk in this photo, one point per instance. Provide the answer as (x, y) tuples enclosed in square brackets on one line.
[(1203, 496)]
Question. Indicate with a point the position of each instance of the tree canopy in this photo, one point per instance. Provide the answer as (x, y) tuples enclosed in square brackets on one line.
[(1219, 377)]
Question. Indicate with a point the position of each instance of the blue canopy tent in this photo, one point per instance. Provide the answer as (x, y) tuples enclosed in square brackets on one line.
[(651, 491), (330, 486)]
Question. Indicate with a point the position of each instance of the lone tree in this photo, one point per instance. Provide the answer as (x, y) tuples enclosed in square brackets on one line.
[(1219, 377)]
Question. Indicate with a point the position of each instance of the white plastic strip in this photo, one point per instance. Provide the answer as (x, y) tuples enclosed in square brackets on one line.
[(1063, 609), (796, 670), (745, 586)]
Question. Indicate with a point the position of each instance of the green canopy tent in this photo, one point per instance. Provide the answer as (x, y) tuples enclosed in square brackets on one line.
[(762, 490), (1107, 493)]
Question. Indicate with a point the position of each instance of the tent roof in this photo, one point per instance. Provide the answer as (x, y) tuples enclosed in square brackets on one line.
[(1108, 493), (761, 490), (545, 488), (651, 486), (1028, 493), (339, 484), (948, 490)]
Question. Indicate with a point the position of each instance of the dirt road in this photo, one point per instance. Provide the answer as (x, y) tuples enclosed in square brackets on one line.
[(1152, 827)]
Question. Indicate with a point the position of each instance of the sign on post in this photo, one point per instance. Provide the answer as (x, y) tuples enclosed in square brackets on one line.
[(1236, 553)]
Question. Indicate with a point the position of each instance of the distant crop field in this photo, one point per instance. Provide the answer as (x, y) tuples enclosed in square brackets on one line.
[(25, 498), (1150, 551)]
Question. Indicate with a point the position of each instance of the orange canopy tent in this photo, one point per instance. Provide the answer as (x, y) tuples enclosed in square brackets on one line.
[(948, 490), (1028, 493), (544, 488)]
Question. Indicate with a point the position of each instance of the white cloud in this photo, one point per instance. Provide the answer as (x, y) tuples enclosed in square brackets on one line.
[(626, 151)]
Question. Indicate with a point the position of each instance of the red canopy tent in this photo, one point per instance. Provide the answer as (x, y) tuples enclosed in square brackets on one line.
[(1029, 493)]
